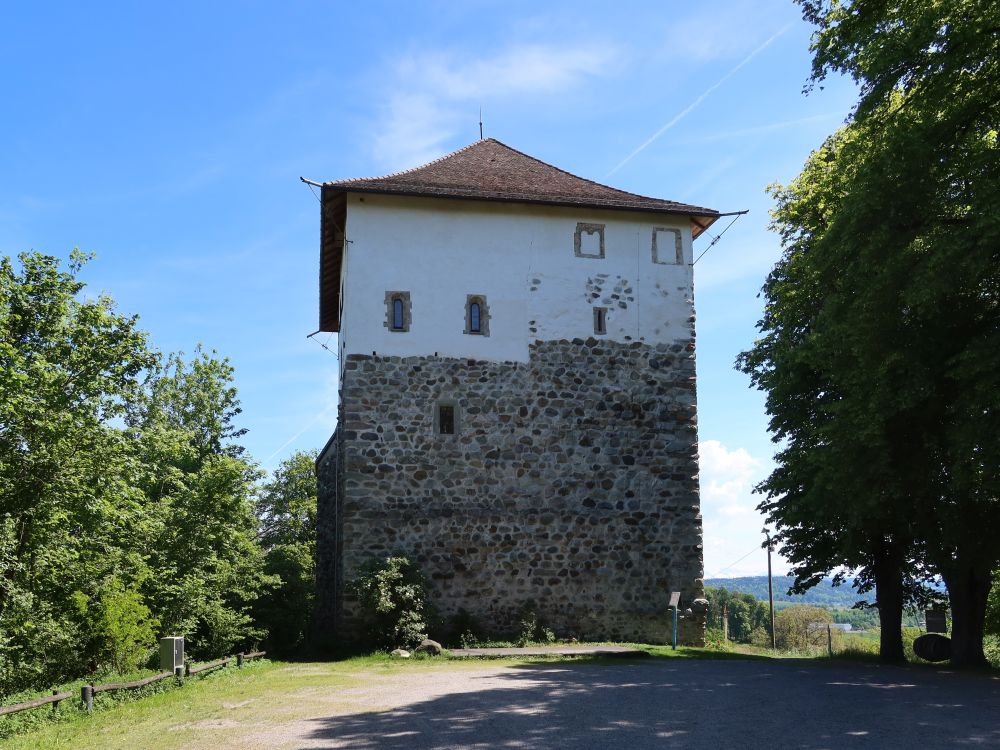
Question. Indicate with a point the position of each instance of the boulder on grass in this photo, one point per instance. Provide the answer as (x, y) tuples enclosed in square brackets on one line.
[(400, 653), (427, 646)]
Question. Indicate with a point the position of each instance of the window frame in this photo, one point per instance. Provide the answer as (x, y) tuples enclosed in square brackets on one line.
[(484, 315), (446, 403), (678, 248), (391, 300), (584, 227), (600, 321)]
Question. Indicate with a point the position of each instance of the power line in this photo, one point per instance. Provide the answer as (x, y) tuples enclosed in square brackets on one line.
[(721, 570)]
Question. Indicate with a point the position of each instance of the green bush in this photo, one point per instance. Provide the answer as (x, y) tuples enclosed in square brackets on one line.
[(464, 629), (800, 628), (392, 593), (123, 627), (532, 629), (991, 645), (714, 640)]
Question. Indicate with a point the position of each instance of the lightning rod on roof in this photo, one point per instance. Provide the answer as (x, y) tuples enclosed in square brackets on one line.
[(480, 123)]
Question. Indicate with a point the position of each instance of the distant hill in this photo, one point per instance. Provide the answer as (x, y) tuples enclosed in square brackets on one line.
[(823, 594)]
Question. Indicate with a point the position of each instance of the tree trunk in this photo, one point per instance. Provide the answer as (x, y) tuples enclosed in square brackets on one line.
[(889, 599), (968, 589)]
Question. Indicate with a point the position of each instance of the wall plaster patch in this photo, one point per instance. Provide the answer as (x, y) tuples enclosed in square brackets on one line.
[(666, 252), (583, 228)]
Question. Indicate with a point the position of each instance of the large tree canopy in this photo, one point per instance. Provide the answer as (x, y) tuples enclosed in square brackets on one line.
[(880, 346), (125, 505)]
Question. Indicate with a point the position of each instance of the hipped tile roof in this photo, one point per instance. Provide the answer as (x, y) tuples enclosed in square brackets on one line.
[(492, 171)]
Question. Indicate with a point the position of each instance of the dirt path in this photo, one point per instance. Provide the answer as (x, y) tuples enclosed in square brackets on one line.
[(635, 705)]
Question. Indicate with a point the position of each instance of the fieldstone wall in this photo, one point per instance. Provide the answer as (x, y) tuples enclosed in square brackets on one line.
[(571, 484)]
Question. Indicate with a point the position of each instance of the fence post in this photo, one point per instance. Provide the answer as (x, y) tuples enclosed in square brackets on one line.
[(829, 639), (179, 674), (239, 660), (87, 696), (55, 704)]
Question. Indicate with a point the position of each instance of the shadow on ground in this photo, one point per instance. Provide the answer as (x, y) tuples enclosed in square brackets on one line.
[(683, 704)]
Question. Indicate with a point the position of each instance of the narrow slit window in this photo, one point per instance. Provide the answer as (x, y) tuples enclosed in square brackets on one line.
[(397, 311), (397, 314), (477, 315), (600, 320), (446, 419)]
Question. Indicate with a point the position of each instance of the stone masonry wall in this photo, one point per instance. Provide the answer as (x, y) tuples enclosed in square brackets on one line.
[(571, 484)]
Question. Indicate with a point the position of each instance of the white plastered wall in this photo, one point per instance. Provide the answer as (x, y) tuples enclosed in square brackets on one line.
[(521, 258)]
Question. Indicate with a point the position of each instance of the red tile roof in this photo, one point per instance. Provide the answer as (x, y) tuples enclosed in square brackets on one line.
[(490, 170)]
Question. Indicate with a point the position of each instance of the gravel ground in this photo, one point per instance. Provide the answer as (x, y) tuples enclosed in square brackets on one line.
[(647, 704)]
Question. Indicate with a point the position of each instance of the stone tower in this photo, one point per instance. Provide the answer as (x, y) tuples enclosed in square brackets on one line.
[(517, 395)]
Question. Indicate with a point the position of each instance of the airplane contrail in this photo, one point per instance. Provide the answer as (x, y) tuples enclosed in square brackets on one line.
[(297, 435), (680, 115)]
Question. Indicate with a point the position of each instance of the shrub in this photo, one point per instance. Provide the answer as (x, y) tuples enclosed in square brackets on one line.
[(991, 646), (124, 627), (714, 640), (800, 628), (532, 629), (464, 629), (392, 593)]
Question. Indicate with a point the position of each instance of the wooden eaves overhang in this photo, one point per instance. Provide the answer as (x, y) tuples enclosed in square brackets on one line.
[(486, 170)]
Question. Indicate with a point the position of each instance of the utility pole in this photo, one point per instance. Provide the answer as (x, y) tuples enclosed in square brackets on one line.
[(770, 588)]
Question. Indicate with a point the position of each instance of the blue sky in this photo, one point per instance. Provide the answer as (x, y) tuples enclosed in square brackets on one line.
[(168, 139)]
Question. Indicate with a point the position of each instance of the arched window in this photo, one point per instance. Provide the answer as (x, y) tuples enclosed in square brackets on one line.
[(397, 311), (477, 315), (397, 314)]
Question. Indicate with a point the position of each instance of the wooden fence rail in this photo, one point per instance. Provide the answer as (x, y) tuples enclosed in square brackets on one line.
[(89, 690), (132, 685), (37, 703), (211, 665)]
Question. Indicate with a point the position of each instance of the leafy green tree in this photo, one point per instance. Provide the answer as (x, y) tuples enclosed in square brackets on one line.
[(207, 567), (745, 613), (69, 516), (125, 498), (880, 338), (286, 512)]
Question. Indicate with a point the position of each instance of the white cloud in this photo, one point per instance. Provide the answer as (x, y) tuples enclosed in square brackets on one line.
[(726, 479), (731, 520), (434, 96)]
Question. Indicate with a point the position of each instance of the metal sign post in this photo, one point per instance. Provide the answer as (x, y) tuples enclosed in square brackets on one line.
[(675, 600)]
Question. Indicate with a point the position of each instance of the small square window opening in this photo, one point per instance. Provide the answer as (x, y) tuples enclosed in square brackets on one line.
[(446, 419), (588, 240)]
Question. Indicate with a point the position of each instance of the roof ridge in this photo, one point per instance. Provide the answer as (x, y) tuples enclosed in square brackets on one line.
[(575, 176), (414, 169), (489, 169)]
